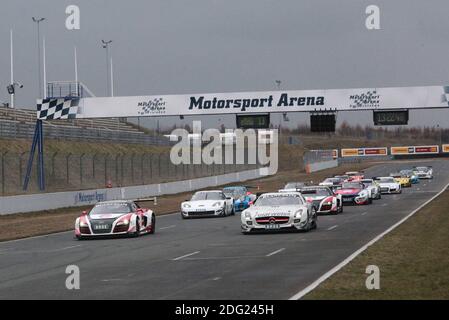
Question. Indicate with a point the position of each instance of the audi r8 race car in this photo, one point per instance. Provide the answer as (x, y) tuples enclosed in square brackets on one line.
[(354, 193), (113, 218), (410, 174), (355, 175), (279, 211), (423, 172), (388, 185), (323, 199), (332, 182), (373, 188), (208, 204), (404, 181), (292, 186), (242, 197)]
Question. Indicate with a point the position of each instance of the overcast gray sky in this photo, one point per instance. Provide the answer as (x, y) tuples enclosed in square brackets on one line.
[(199, 46)]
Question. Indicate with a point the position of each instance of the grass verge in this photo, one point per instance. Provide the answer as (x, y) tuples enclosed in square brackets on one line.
[(413, 260)]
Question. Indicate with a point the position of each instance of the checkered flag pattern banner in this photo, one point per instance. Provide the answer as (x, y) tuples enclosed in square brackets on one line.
[(64, 108)]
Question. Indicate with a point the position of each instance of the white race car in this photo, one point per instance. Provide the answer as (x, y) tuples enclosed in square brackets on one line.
[(425, 172), (373, 188), (279, 211), (388, 185), (208, 204)]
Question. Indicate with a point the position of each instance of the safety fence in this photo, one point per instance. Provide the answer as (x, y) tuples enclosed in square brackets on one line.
[(89, 171)]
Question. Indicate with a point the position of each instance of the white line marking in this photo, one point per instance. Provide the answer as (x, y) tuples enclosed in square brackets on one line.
[(168, 227), (364, 213), (325, 276), (110, 280), (332, 228), (275, 252), (66, 248), (185, 256)]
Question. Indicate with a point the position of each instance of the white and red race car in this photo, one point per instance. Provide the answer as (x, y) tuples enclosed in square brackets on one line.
[(114, 218), (323, 199), (355, 175), (354, 193)]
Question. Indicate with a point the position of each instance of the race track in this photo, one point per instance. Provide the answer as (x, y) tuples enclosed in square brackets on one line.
[(205, 258)]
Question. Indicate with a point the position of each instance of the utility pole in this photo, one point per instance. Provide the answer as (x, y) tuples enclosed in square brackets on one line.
[(38, 21), (105, 45)]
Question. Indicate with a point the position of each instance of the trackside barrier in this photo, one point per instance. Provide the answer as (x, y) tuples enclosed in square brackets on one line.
[(414, 150), (318, 166), (445, 148), (57, 200), (364, 152)]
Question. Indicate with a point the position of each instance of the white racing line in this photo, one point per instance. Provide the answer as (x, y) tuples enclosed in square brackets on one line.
[(338, 267)]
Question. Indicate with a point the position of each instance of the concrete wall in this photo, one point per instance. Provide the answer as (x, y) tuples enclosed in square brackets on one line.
[(318, 166), (48, 201)]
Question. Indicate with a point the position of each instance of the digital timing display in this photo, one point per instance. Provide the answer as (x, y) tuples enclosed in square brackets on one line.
[(255, 121), (390, 118)]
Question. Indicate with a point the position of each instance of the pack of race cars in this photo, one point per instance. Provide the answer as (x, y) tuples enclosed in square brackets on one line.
[(295, 207)]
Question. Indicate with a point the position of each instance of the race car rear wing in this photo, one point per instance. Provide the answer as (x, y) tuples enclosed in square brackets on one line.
[(154, 199)]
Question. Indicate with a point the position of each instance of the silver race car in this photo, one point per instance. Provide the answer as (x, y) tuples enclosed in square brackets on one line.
[(279, 211)]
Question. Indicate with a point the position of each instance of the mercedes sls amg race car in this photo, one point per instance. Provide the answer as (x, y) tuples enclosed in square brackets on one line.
[(208, 204), (354, 193), (423, 172), (410, 174), (279, 211), (373, 188), (114, 218), (355, 175), (323, 199), (388, 185), (404, 181), (242, 197)]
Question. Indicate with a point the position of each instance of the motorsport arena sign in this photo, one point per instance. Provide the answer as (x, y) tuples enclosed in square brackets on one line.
[(245, 102)]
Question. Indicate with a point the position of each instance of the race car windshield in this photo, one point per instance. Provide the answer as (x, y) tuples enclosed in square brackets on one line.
[(234, 192), (294, 185), (111, 208), (207, 196), (351, 186), (319, 192), (278, 201), (387, 180), (422, 168)]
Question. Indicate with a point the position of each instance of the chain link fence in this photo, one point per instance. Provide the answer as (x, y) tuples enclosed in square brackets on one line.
[(65, 172)]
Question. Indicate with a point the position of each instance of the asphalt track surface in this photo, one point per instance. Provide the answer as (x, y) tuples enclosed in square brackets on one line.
[(205, 258)]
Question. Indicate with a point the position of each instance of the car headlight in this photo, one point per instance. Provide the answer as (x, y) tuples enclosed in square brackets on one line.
[(186, 205), (217, 204), (83, 224), (299, 213), (247, 215), (123, 222), (363, 194)]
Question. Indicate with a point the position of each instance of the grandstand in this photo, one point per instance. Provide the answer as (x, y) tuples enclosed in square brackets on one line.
[(19, 123)]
